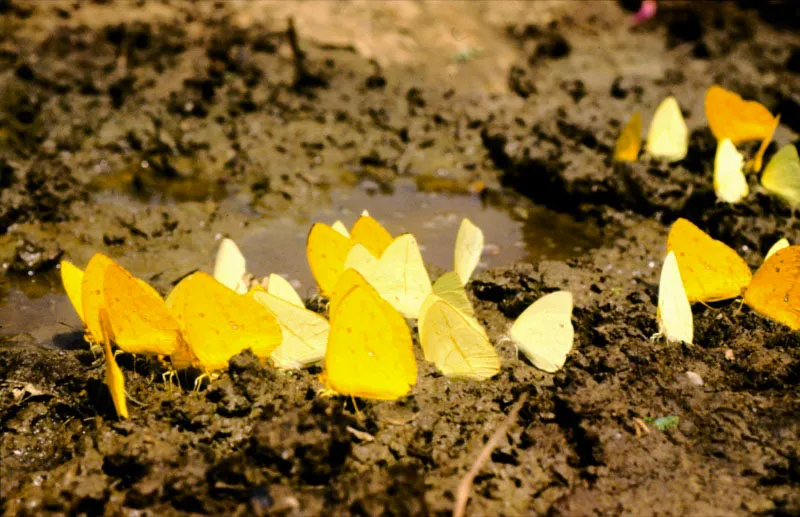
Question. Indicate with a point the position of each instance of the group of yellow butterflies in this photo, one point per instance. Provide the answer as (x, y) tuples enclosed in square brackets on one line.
[(374, 283), (732, 120), (701, 269)]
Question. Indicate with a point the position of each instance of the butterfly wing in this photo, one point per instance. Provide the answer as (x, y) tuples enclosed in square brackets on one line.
[(327, 251), (629, 142), (544, 332), (72, 280), (674, 311), (668, 136), (93, 297), (782, 175), (139, 318), (230, 266), (469, 246), (371, 234), (281, 288), (730, 183), (114, 378), (449, 287), (782, 243)]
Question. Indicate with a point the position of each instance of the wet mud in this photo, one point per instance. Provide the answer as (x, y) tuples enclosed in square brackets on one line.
[(149, 131)]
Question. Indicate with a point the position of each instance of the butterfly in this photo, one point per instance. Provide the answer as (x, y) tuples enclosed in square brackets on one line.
[(327, 248), (668, 136), (775, 289), (230, 266), (710, 270), (399, 275), (674, 313), (305, 333), (730, 183), (138, 318), (544, 332), (629, 142), (218, 323), (730, 116), (455, 342), (469, 246), (369, 352), (782, 175)]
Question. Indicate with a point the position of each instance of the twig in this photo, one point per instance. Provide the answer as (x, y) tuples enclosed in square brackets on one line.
[(465, 486)]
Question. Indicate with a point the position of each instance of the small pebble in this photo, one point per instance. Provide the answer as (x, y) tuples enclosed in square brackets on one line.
[(694, 378)]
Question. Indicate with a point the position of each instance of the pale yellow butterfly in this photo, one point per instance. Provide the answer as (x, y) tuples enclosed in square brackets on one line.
[(469, 246), (730, 183), (782, 175), (674, 313), (544, 332), (668, 136), (456, 343), (230, 266)]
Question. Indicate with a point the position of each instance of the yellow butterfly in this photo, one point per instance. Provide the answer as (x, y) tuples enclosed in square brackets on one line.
[(782, 175), (544, 332), (114, 378), (668, 136), (399, 275), (674, 313), (730, 183), (455, 342), (327, 248), (629, 142), (305, 333), (218, 323), (730, 116), (469, 246), (369, 352), (710, 270), (775, 289), (138, 317), (230, 266), (782, 243)]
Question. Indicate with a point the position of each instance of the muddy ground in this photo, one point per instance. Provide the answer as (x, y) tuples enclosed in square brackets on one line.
[(146, 129)]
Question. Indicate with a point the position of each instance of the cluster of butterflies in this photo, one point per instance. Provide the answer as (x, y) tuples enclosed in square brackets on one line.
[(701, 269), (732, 120), (374, 283)]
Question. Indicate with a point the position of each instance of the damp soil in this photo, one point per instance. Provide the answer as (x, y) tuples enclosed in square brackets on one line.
[(149, 130)]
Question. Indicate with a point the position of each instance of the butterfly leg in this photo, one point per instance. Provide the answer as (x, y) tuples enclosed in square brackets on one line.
[(198, 382)]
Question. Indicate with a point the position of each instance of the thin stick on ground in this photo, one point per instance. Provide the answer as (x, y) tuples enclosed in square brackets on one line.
[(465, 486)]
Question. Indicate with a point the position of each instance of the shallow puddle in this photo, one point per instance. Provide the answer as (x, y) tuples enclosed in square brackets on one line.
[(515, 230)]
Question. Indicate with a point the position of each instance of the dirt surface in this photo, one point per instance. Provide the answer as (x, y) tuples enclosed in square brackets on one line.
[(145, 130)]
